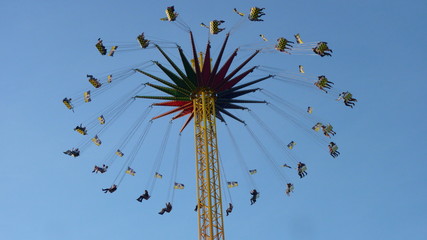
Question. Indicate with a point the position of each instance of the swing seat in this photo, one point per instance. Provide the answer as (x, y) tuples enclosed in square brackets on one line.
[(95, 82), (213, 27), (178, 186), (81, 131), (298, 38), (86, 96), (67, 103), (96, 140), (101, 48), (119, 153), (317, 127), (101, 119), (130, 171), (112, 51), (255, 14), (252, 171), (170, 14)]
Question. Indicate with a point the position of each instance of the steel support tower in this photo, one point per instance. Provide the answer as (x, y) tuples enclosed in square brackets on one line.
[(210, 220)]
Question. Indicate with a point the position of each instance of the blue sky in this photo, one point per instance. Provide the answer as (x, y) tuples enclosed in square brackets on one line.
[(373, 190)]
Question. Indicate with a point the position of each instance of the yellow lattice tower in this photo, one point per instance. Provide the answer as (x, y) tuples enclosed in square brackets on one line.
[(211, 226)]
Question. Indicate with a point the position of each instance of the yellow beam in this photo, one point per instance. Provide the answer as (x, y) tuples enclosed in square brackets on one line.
[(210, 219)]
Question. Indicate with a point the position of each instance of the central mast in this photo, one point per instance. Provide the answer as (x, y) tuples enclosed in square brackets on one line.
[(210, 218)]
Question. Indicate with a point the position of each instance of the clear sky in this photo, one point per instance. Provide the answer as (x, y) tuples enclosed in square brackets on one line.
[(373, 190)]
